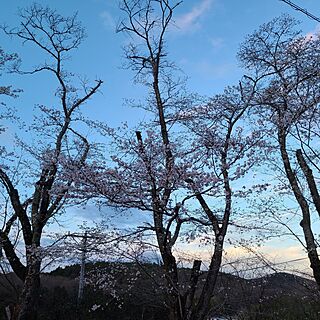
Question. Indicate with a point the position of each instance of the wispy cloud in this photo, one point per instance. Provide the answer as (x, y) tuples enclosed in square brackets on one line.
[(190, 20), (216, 43), (218, 70), (108, 20)]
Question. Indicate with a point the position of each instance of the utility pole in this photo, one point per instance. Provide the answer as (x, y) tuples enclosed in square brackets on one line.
[(82, 268), (83, 249)]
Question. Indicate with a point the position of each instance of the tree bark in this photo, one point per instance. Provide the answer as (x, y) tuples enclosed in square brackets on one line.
[(310, 179), (173, 296), (203, 305), (189, 299), (27, 308), (306, 221)]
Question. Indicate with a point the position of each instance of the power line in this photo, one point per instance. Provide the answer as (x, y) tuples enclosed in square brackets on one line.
[(306, 12)]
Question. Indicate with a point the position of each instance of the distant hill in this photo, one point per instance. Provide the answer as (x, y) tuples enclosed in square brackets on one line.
[(128, 291)]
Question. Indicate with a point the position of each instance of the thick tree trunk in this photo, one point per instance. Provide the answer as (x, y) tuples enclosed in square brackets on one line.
[(27, 308), (194, 277), (310, 179), (304, 206), (173, 296), (203, 306)]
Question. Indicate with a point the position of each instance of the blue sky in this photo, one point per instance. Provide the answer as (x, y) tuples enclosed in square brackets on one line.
[(203, 44)]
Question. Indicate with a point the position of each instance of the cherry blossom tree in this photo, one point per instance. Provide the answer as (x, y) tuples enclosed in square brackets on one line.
[(6, 60), (41, 182), (286, 65), (179, 167)]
